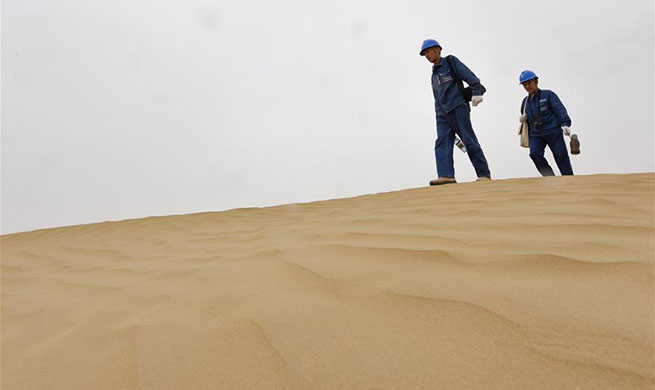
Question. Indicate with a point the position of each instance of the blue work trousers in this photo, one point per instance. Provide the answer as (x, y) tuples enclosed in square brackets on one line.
[(555, 142), (458, 121)]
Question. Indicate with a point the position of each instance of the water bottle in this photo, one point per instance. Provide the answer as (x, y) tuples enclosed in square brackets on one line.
[(461, 146), (575, 144)]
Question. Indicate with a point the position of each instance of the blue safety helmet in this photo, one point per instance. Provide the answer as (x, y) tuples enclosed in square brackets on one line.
[(428, 43), (527, 75)]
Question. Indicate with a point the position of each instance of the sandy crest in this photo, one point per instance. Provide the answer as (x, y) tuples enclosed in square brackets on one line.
[(543, 283)]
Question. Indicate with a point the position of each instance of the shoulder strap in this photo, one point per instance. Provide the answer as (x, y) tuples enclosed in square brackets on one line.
[(449, 60), (523, 104), (453, 72)]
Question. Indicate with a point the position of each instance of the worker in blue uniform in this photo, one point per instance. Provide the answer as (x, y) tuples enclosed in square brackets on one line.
[(548, 122), (453, 112)]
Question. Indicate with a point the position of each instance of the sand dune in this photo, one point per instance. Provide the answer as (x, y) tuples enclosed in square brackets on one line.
[(544, 283)]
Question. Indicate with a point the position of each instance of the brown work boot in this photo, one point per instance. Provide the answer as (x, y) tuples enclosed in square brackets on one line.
[(442, 180), (483, 178)]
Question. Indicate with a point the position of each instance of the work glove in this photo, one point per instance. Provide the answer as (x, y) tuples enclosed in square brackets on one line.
[(523, 118), (475, 100), (566, 130)]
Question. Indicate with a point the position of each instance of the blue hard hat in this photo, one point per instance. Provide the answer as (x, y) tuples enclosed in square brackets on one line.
[(527, 75), (428, 43)]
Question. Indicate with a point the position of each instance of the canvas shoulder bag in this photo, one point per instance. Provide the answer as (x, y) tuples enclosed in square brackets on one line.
[(523, 129)]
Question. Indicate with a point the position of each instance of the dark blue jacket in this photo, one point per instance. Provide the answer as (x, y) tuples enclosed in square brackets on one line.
[(447, 95), (546, 113)]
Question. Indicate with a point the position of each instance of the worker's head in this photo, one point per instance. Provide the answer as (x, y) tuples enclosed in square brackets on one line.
[(431, 50), (529, 80)]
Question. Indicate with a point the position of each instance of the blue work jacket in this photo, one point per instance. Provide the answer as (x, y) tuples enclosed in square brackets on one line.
[(546, 113), (447, 95)]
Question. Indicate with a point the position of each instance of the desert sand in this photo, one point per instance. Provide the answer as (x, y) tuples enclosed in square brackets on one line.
[(539, 283)]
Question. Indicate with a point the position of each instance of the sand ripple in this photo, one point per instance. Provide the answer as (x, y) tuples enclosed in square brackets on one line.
[(513, 284)]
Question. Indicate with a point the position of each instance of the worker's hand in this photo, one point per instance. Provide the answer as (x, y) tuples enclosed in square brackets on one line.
[(523, 118), (566, 130), (475, 100)]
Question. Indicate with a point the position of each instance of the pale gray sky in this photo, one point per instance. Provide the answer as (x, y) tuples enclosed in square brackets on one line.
[(125, 109)]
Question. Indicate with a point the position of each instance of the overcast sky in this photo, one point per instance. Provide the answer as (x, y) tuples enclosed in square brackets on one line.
[(132, 108)]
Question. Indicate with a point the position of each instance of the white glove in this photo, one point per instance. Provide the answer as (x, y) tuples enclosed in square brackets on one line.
[(566, 130), (523, 118), (475, 100)]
